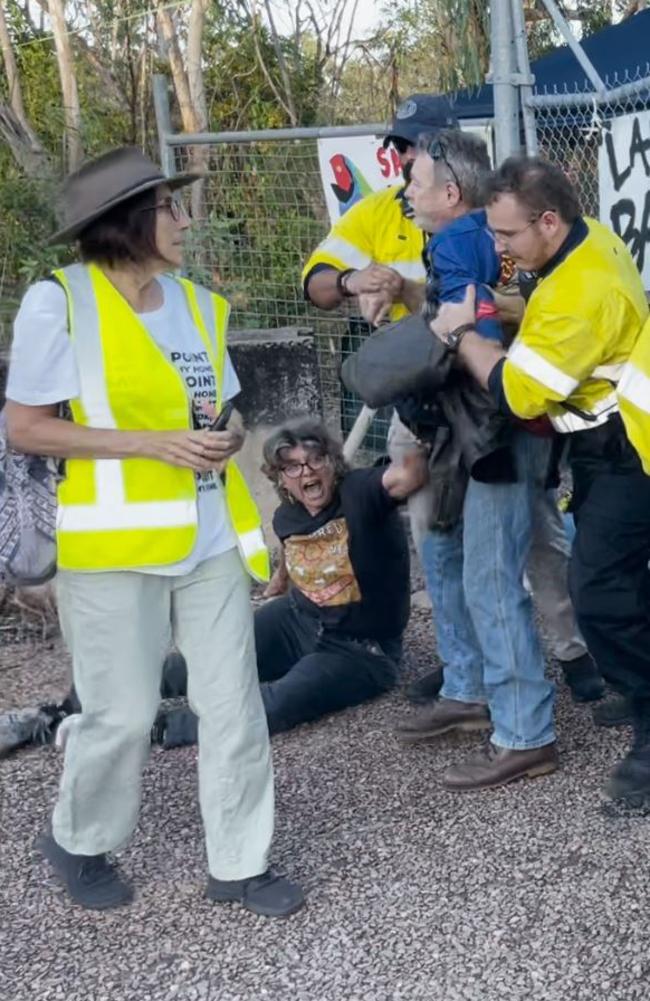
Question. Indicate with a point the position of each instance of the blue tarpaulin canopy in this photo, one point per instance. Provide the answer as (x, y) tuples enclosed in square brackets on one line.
[(620, 53)]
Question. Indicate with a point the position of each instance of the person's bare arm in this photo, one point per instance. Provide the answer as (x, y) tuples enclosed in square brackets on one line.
[(413, 295), (511, 307), (279, 582), (323, 291), (401, 479), (39, 431), (477, 354)]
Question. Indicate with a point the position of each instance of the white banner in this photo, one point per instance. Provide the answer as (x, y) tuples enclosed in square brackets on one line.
[(353, 166), (624, 184)]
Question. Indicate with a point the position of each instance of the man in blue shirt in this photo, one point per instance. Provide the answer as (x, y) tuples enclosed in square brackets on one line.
[(494, 667)]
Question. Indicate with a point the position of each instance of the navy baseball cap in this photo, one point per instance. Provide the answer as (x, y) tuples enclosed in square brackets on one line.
[(421, 113)]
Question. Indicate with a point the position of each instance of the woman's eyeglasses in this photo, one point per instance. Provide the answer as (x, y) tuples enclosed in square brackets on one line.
[(172, 204), (295, 469)]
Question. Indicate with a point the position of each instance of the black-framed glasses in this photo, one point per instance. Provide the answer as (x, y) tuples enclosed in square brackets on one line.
[(295, 469), (172, 204), (507, 235), (438, 151)]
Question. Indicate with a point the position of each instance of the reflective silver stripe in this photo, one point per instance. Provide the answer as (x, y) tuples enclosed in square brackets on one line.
[(635, 387), (251, 542), (567, 422), (610, 372), (542, 370), (337, 247), (414, 270), (86, 342), (106, 518), (111, 509)]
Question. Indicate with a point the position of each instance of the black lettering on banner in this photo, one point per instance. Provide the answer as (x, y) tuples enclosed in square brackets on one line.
[(636, 238), (628, 219), (638, 147)]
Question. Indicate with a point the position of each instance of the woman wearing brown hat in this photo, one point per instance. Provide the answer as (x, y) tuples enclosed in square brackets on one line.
[(157, 534)]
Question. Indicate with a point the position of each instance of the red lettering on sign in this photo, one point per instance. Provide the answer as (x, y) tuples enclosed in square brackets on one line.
[(382, 159)]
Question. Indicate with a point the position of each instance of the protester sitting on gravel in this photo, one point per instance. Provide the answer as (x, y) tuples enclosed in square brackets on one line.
[(335, 639), (153, 543)]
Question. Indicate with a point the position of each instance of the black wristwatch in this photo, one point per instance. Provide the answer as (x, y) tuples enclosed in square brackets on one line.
[(341, 282), (454, 337)]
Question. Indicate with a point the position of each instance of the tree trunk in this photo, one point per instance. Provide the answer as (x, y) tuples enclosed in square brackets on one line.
[(200, 155), (71, 109), (179, 76), (13, 80), (24, 144)]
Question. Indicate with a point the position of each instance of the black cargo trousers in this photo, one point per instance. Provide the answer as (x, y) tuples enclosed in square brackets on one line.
[(306, 671), (609, 577)]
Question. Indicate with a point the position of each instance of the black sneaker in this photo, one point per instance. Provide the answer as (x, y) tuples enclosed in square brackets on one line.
[(426, 688), (613, 712), (268, 894), (89, 879), (629, 783), (583, 678)]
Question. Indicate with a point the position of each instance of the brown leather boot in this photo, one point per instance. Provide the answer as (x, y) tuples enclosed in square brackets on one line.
[(442, 717), (496, 766)]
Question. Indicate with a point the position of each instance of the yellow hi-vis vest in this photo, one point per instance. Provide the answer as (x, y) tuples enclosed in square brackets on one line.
[(121, 514), (634, 397)]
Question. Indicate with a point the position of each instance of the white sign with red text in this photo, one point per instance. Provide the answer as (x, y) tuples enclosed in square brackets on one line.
[(353, 166)]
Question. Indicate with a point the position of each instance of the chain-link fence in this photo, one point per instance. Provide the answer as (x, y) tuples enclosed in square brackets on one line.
[(572, 127), (263, 213)]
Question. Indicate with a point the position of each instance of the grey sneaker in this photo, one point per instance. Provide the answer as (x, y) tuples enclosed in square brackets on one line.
[(89, 879), (25, 726), (443, 716), (268, 894)]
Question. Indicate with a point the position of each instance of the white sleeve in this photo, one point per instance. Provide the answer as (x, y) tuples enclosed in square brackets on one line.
[(231, 385), (42, 368)]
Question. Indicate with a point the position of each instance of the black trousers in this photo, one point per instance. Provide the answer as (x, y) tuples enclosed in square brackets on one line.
[(306, 672), (609, 578)]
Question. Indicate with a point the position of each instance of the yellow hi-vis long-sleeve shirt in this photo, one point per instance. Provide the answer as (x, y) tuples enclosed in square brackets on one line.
[(579, 329), (634, 397), (374, 230)]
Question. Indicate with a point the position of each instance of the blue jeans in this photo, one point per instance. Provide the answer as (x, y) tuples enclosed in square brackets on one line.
[(483, 614)]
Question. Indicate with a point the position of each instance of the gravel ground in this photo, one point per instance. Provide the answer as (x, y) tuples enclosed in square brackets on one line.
[(527, 892)]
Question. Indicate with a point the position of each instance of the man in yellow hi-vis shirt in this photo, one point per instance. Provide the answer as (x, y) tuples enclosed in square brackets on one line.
[(374, 251), (581, 325)]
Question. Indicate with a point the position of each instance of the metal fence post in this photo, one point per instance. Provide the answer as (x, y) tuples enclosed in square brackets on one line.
[(506, 107), (163, 121), (526, 78)]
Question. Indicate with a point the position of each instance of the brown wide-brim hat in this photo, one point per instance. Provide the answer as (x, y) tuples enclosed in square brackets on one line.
[(105, 182)]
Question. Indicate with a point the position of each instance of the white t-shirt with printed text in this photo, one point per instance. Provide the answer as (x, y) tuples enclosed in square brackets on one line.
[(43, 370)]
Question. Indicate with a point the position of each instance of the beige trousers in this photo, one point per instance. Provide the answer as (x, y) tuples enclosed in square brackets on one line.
[(118, 627)]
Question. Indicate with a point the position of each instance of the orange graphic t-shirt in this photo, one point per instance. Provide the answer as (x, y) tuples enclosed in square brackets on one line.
[(319, 565)]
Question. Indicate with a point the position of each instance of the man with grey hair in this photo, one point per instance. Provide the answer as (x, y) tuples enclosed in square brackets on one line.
[(494, 667)]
